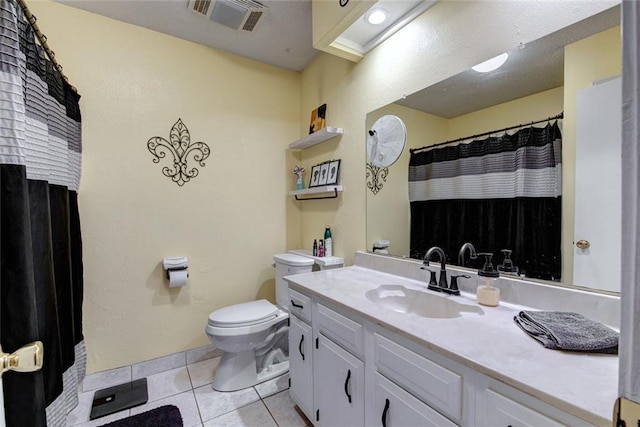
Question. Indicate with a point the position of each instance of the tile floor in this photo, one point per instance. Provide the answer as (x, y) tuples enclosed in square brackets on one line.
[(184, 380)]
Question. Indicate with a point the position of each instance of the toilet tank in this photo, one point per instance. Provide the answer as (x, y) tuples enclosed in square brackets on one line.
[(287, 264)]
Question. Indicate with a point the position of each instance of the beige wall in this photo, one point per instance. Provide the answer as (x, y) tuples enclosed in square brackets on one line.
[(451, 37), (136, 83), (228, 221)]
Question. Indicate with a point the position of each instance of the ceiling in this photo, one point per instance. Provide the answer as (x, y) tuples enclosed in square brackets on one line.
[(530, 69), (281, 38)]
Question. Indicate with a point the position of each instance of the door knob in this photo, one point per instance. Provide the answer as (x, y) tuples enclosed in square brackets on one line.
[(26, 359), (583, 244)]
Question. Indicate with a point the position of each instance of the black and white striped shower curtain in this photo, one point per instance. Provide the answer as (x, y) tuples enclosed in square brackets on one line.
[(41, 277), (497, 193)]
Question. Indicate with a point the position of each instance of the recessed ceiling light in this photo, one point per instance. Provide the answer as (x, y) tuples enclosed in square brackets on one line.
[(376, 16), (491, 64)]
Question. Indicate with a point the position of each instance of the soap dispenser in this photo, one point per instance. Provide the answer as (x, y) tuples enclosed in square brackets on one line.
[(486, 292)]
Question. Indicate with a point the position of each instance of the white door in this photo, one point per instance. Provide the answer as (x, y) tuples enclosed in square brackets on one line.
[(597, 232), (339, 384)]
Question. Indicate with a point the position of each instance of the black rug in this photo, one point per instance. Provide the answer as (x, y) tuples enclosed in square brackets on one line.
[(163, 416)]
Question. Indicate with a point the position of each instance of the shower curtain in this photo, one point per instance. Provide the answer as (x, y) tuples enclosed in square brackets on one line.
[(497, 193), (40, 245)]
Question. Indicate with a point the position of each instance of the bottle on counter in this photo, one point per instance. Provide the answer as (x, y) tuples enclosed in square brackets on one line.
[(320, 249), (328, 242), (487, 293), (315, 248)]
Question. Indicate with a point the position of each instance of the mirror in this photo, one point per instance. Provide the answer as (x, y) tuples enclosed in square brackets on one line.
[(539, 80)]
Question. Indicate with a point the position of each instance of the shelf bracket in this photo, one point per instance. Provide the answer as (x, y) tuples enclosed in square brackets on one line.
[(335, 194)]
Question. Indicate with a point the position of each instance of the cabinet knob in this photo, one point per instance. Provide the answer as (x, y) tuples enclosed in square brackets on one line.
[(384, 413), (346, 385), (300, 347), (583, 244)]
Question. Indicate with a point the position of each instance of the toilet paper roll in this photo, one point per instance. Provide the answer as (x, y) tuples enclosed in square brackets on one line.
[(177, 278)]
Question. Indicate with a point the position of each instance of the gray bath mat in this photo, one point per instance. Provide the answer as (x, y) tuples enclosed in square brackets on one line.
[(163, 416)]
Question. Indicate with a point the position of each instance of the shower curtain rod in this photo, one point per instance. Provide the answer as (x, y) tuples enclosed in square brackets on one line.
[(521, 125), (31, 18)]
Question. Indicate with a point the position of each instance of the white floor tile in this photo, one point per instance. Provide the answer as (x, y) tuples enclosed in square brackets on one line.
[(252, 415), (202, 373), (186, 402), (273, 386), (285, 411), (168, 383), (105, 420), (106, 379), (213, 403), (81, 413), (161, 364)]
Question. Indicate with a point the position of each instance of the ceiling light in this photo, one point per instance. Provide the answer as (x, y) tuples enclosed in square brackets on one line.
[(376, 16), (491, 64)]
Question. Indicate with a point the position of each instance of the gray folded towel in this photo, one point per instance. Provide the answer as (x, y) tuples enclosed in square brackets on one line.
[(560, 330)]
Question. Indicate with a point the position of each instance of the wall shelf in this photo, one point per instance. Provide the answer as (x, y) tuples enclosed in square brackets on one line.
[(316, 192), (322, 135)]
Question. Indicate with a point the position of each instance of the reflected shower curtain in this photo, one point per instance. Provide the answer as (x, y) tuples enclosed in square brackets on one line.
[(40, 245), (505, 190)]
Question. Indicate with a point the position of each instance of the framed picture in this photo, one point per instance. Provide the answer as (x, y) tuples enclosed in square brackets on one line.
[(334, 172), (315, 176), (318, 119), (324, 174)]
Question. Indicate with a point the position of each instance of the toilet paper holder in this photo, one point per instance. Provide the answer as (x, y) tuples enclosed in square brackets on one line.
[(174, 264)]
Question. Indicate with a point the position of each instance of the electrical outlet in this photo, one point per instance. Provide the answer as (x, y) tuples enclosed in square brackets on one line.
[(626, 413)]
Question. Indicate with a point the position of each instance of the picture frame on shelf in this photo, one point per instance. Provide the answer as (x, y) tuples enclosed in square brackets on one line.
[(318, 119), (324, 174), (333, 172), (314, 176)]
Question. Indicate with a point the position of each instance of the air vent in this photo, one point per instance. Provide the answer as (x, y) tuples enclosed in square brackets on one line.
[(235, 14)]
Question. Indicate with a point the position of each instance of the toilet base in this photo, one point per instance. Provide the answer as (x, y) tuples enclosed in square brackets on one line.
[(238, 370)]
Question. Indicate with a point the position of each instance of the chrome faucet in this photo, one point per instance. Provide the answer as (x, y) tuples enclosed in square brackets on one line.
[(442, 282), (463, 249)]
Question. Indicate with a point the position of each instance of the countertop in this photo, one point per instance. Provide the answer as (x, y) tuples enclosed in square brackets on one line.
[(584, 385)]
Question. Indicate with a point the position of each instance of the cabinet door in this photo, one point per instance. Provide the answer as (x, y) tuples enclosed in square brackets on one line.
[(301, 364), (501, 411), (339, 384), (394, 407)]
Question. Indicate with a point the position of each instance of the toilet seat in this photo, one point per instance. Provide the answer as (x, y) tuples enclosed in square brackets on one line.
[(244, 314)]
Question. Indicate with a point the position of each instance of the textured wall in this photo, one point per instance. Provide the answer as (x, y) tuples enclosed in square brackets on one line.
[(228, 221)]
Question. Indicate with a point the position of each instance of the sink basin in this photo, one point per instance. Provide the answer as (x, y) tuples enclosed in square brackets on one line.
[(423, 303)]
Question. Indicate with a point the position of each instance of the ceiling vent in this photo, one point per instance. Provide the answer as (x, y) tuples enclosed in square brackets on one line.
[(235, 14)]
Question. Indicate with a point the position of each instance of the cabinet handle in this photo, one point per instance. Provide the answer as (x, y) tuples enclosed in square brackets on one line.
[(293, 303), (346, 385), (300, 346), (384, 413)]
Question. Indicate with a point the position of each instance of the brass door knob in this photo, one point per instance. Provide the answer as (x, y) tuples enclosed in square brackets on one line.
[(26, 359), (583, 244)]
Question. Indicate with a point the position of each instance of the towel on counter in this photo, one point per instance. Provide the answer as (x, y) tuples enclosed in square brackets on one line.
[(560, 330)]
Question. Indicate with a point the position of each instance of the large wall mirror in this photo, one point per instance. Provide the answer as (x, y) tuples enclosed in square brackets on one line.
[(555, 74)]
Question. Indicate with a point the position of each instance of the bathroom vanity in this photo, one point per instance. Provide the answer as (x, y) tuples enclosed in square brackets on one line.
[(362, 353)]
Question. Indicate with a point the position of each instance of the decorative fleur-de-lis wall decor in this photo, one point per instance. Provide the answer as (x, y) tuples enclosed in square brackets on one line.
[(181, 148), (375, 177)]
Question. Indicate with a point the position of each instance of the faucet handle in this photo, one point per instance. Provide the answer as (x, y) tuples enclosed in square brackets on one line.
[(433, 284), (453, 289)]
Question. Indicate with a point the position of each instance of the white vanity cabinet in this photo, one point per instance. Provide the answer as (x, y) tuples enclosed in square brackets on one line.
[(357, 372)]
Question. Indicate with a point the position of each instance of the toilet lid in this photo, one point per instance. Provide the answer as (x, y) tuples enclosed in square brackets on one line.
[(245, 314)]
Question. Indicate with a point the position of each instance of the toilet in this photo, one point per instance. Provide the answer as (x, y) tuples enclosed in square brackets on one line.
[(254, 335)]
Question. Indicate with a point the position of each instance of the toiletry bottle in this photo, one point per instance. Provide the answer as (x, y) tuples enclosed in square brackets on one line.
[(315, 248), (328, 242), (486, 291), (320, 249)]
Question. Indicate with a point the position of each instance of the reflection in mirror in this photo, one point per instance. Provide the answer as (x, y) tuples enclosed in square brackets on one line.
[(538, 80)]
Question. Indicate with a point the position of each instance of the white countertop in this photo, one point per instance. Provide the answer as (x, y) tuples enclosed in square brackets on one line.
[(584, 385)]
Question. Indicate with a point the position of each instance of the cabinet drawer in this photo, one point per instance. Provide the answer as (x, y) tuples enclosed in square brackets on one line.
[(395, 407), (502, 411), (431, 382), (346, 332), (300, 305)]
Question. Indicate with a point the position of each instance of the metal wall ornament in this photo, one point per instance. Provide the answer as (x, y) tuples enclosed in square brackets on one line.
[(375, 177), (182, 149)]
